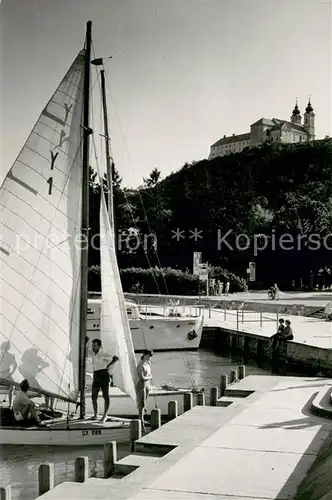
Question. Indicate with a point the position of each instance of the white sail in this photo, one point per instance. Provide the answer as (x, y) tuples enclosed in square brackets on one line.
[(114, 325), (40, 220)]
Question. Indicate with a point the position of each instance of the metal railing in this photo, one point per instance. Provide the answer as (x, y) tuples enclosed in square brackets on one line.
[(229, 308)]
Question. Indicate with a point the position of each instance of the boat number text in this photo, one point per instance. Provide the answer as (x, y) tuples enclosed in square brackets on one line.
[(95, 432)]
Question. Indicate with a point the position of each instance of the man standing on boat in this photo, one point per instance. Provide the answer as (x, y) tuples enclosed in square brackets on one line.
[(101, 362)]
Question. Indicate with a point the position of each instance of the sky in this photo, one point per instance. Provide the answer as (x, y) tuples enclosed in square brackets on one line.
[(183, 72)]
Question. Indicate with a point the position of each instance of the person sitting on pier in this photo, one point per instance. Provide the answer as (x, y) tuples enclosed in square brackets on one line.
[(143, 386), (101, 362), (23, 408), (288, 331), (275, 339)]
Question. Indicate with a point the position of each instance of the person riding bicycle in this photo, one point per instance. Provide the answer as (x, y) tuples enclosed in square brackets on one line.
[(274, 290)]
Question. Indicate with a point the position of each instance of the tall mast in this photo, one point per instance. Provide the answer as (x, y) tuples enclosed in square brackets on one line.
[(109, 161), (85, 220)]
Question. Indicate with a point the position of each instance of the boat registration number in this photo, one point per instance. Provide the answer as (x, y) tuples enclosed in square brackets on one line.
[(95, 432)]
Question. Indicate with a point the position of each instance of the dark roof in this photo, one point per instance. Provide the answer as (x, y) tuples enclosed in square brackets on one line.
[(291, 125), (263, 121), (232, 138), (309, 107)]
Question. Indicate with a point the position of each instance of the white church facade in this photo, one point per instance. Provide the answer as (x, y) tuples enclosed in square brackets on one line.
[(271, 131)]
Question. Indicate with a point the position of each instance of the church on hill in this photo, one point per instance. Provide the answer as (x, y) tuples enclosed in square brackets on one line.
[(269, 130)]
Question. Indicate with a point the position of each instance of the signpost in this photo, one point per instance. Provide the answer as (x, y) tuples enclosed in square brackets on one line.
[(196, 263), (201, 269), (203, 272), (252, 271), (204, 275)]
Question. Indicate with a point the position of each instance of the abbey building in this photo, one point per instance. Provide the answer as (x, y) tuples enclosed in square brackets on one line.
[(269, 130)]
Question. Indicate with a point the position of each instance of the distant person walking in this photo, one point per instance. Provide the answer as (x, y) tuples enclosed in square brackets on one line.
[(144, 373), (227, 286)]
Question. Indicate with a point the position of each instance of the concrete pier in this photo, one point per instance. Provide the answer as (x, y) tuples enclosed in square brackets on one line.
[(204, 453), (311, 347)]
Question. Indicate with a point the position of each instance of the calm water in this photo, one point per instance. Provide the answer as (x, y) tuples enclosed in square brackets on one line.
[(19, 464)]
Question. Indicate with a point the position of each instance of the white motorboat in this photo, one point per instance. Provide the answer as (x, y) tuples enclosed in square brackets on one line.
[(159, 330)]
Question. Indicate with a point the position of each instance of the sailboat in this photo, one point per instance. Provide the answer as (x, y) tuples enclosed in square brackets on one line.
[(44, 263)]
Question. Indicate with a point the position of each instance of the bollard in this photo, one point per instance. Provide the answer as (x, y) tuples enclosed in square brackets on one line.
[(225, 312), (261, 319), (187, 401), (213, 396), (172, 409), (110, 458), (242, 372), (155, 419), (242, 313), (209, 309), (81, 469), (200, 399), (277, 318), (6, 493), (223, 384), (237, 319), (233, 376), (45, 478), (135, 432)]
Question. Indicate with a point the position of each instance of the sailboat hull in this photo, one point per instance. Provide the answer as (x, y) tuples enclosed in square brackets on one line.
[(153, 331), (87, 432), (79, 434)]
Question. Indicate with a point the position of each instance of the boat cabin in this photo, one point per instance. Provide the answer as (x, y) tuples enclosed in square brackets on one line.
[(94, 306)]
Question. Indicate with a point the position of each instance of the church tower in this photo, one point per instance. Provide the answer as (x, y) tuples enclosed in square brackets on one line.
[(296, 115), (309, 121)]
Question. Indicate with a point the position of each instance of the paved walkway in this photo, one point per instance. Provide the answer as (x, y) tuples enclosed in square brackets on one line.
[(260, 447), (263, 452), (310, 331), (314, 299)]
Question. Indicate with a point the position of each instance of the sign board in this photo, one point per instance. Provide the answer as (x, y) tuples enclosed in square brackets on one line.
[(203, 272), (197, 262), (252, 271)]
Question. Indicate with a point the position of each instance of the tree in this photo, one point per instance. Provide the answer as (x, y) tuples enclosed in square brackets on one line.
[(268, 191), (153, 178)]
